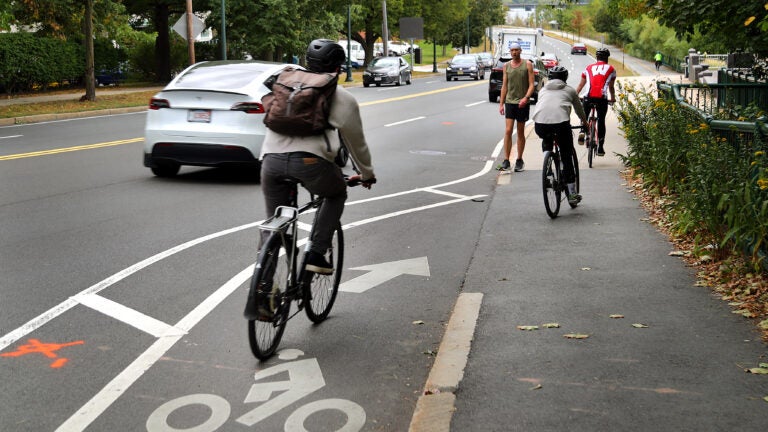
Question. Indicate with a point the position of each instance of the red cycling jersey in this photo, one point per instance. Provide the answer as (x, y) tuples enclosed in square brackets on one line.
[(599, 76)]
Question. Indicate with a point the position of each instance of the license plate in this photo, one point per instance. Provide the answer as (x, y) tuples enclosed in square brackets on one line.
[(199, 116), (377, 79), (459, 72)]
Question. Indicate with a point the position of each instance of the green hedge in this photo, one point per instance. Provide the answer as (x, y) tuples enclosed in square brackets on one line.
[(28, 62)]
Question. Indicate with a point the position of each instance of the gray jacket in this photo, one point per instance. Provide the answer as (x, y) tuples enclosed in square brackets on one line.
[(554, 104), (344, 116)]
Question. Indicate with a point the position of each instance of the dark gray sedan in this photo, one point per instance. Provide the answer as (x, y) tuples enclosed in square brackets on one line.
[(387, 70), (465, 65)]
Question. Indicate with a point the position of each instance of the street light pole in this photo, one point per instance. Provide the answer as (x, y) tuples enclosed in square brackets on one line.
[(349, 42), (223, 31)]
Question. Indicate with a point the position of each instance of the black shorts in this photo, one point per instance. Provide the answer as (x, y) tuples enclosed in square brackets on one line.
[(514, 112)]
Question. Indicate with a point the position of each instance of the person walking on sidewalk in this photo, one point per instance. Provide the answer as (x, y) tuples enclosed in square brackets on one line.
[(600, 80), (516, 91), (552, 117)]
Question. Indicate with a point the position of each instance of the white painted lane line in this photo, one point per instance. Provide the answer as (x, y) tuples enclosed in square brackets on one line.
[(475, 103), (404, 121), (115, 388), (11, 136), (129, 316), (64, 306), (450, 194)]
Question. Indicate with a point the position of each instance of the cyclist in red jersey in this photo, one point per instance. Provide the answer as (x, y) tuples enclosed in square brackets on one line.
[(600, 79)]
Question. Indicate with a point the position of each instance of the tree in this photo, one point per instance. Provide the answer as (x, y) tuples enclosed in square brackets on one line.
[(715, 18)]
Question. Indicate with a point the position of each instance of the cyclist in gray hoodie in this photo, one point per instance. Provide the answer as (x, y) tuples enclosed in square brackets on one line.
[(552, 117)]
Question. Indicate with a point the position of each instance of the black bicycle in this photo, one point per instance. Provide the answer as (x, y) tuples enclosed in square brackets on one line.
[(592, 135), (553, 184), (280, 277)]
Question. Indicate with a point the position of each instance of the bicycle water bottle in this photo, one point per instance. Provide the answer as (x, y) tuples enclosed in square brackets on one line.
[(581, 138)]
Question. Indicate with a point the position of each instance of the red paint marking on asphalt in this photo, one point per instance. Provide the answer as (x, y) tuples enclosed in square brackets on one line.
[(46, 349)]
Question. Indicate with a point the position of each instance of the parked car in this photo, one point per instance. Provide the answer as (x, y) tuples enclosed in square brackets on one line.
[(495, 80), (209, 115), (108, 77), (464, 65), (387, 70), (550, 60), (579, 48)]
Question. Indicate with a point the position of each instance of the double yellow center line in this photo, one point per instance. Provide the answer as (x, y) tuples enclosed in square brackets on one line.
[(70, 149), (133, 140)]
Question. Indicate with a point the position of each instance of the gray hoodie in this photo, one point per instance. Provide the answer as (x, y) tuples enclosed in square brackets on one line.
[(554, 103)]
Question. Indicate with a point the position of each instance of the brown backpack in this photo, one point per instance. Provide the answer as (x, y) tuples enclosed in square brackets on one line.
[(300, 102)]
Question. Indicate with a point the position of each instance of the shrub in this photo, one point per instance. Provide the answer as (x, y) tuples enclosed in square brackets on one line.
[(717, 180)]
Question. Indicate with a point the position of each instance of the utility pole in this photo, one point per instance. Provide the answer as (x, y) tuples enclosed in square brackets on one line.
[(190, 37), (384, 29), (223, 31)]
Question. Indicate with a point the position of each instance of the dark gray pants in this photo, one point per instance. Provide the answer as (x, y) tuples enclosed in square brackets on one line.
[(318, 176)]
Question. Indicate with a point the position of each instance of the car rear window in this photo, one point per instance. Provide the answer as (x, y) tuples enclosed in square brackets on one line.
[(217, 76)]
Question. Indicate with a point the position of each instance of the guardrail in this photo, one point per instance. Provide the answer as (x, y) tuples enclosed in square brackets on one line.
[(711, 101)]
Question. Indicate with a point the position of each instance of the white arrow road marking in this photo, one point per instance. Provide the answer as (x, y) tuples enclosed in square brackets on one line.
[(380, 273)]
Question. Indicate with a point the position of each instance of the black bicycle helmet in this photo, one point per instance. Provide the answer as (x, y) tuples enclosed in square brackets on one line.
[(325, 55), (602, 54), (558, 72)]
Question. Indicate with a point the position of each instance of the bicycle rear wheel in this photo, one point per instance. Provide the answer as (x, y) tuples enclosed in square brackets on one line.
[(576, 178), (592, 144), (551, 184), (320, 290), (270, 279)]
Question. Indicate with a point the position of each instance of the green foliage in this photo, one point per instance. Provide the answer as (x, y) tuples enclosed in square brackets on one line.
[(715, 18), (718, 182), (28, 61)]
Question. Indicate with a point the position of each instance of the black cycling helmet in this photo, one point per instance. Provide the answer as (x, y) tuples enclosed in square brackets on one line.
[(602, 54), (558, 72), (325, 55)]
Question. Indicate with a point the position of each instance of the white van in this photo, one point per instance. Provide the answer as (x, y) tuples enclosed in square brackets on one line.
[(358, 53)]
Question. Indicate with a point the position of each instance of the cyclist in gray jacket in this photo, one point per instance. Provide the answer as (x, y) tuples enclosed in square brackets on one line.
[(310, 159), (552, 117)]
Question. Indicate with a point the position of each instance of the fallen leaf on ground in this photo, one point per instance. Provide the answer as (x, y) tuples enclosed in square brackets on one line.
[(677, 253), (551, 325), (638, 325), (758, 370), (418, 322), (527, 327), (763, 365), (586, 268), (576, 336), (616, 316), (538, 387)]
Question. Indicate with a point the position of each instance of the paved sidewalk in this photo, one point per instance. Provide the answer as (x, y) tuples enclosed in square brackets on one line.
[(658, 352)]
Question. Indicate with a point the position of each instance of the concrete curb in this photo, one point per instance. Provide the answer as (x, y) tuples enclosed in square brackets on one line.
[(68, 116), (435, 407)]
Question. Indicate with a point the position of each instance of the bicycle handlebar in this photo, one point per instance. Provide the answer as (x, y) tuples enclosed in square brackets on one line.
[(353, 181)]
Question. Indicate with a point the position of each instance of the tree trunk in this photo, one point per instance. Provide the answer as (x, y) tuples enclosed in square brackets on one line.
[(90, 77), (162, 44)]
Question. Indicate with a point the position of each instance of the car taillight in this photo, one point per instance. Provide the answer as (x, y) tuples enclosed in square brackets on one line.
[(497, 70), (249, 107), (156, 104)]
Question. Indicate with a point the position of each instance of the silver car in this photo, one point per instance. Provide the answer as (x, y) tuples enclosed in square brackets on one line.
[(209, 115)]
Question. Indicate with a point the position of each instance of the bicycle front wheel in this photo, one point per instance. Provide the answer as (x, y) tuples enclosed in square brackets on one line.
[(551, 184), (268, 286), (320, 290), (576, 177)]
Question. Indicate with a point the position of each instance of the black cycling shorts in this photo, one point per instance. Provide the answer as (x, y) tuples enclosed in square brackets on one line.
[(514, 112)]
